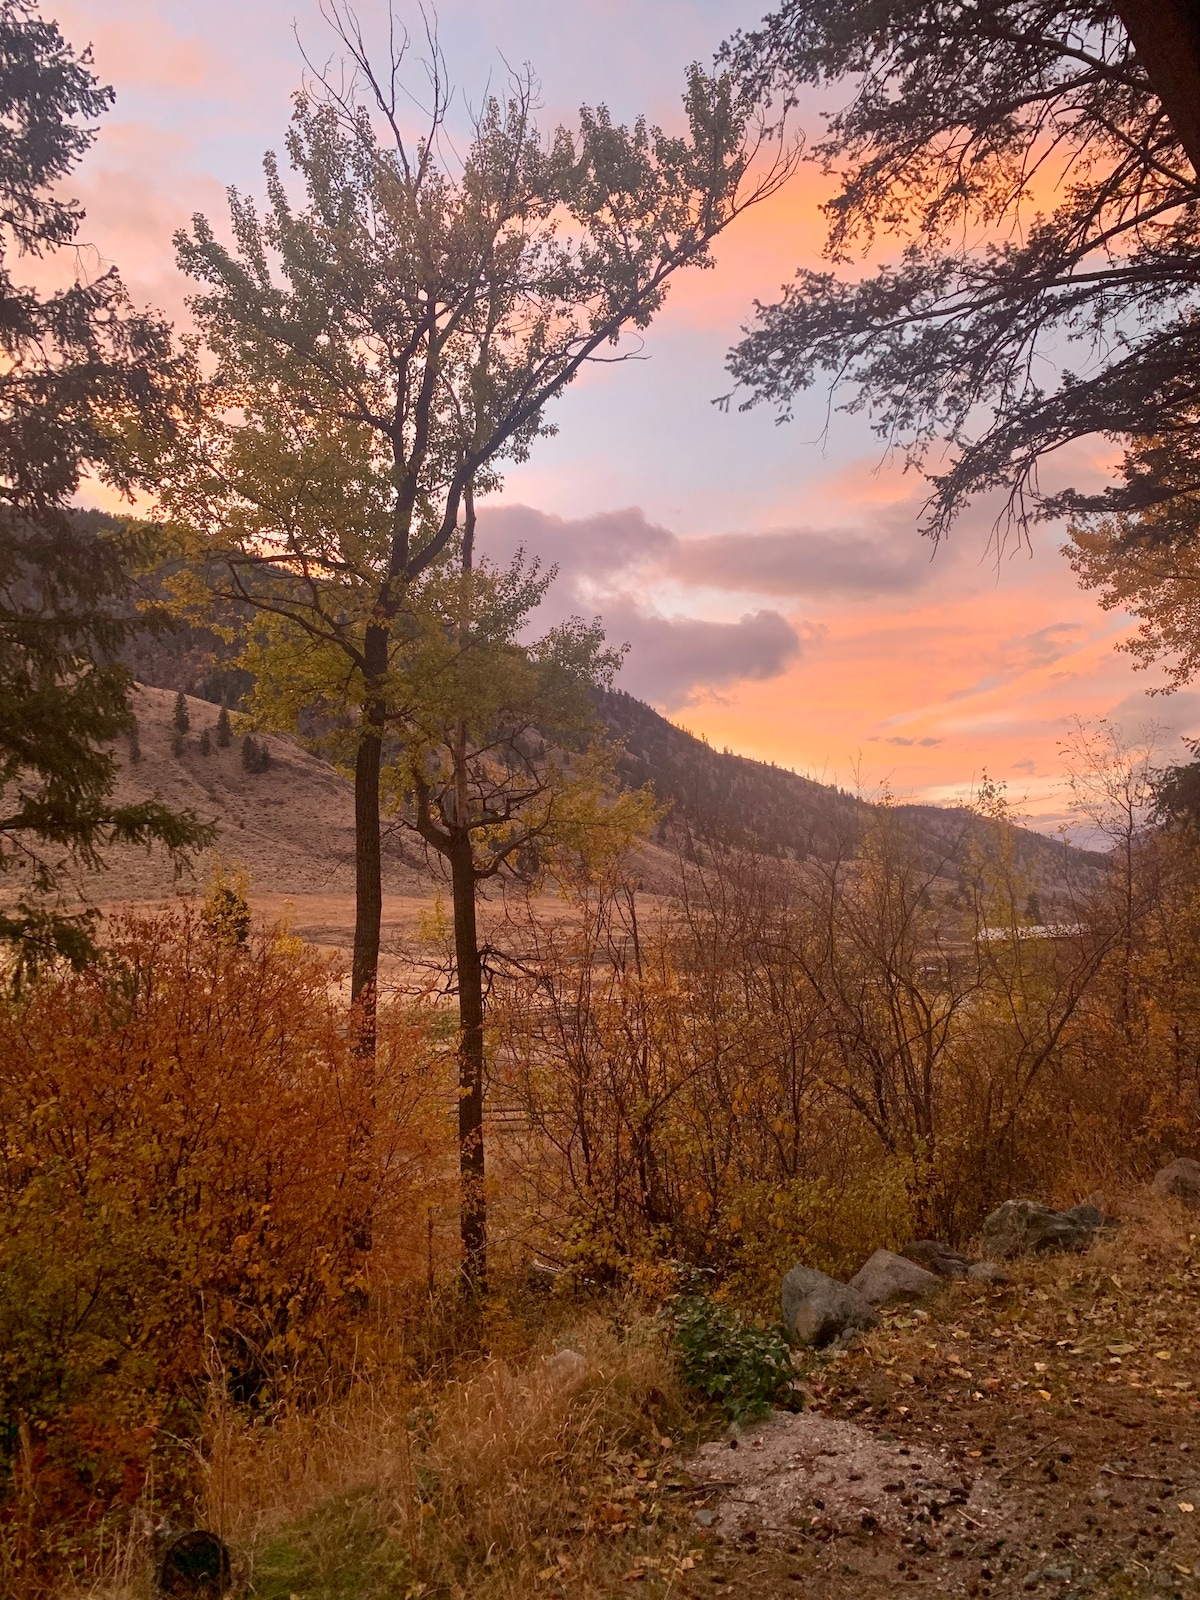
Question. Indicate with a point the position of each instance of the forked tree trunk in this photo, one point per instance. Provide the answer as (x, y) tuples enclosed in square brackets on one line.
[(464, 885), (470, 1067)]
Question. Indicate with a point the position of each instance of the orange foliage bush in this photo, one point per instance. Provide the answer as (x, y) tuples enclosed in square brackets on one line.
[(192, 1167), (810, 1060)]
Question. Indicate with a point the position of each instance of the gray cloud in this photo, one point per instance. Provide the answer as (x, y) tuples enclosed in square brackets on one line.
[(1052, 643), (792, 562), (671, 658), (596, 547), (799, 561), (604, 563), (1169, 717)]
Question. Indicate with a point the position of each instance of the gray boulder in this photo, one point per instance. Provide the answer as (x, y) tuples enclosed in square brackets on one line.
[(818, 1309), (987, 1272), (937, 1257), (887, 1277), (567, 1366), (1179, 1180), (1025, 1227)]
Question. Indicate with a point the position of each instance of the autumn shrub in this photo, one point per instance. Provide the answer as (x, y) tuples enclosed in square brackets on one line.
[(808, 1061), (1134, 1089), (831, 1221), (194, 1166)]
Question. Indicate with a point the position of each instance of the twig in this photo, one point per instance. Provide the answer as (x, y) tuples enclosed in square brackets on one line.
[(1140, 1477), (1041, 1450)]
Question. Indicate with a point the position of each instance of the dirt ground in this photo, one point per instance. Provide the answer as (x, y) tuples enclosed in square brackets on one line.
[(1042, 1437)]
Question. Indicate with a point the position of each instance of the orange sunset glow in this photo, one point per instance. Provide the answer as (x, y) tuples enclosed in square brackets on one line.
[(770, 579)]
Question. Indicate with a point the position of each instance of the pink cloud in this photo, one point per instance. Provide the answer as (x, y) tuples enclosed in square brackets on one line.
[(144, 51)]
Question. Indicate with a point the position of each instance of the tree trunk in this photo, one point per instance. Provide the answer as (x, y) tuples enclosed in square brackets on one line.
[(368, 910), (368, 879), (470, 1066), (1166, 36)]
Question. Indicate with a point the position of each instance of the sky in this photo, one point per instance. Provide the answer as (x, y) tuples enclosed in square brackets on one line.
[(769, 580)]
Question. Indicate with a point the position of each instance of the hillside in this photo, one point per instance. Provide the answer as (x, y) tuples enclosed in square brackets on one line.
[(292, 827), (717, 795)]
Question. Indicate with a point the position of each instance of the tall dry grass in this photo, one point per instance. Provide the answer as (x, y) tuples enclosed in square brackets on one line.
[(510, 1480)]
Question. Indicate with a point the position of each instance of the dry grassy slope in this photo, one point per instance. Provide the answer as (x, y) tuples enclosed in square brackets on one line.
[(291, 827)]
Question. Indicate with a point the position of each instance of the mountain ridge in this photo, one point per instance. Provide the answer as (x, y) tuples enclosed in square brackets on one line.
[(730, 799)]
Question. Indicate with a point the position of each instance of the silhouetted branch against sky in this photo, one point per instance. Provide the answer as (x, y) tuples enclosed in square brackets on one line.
[(1038, 221)]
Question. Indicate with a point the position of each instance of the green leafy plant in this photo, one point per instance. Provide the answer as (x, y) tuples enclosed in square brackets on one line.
[(728, 1358)]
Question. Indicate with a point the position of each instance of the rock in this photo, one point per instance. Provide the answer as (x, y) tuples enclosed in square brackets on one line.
[(1025, 1227), (568, 1365), (937, 1257), (1088, 1215), (195, 1566), (818, 1309), (1179, 1180), (987, 1272), (890, 1277)]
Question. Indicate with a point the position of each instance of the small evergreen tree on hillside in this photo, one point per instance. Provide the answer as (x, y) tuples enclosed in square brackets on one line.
[(180, 719), (255, 755), (224, 731)]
